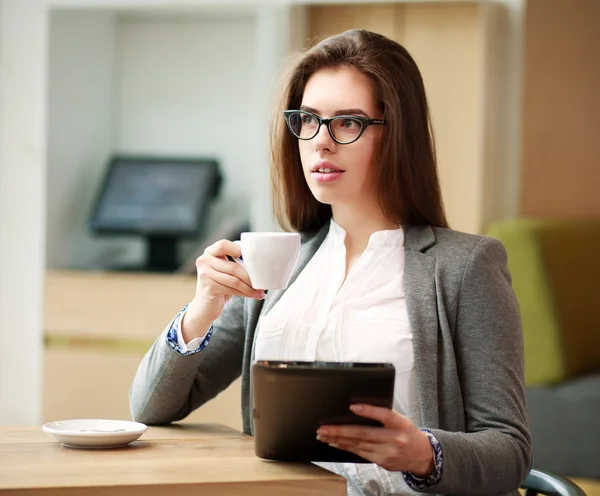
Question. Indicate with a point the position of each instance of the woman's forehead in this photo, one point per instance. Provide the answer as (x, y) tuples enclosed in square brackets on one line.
[(331, 91)]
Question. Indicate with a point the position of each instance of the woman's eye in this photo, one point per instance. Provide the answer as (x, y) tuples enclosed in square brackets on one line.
[(350, 124), (307, 119)]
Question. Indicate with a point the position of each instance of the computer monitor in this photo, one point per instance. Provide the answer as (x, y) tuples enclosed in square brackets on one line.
[(161, 199)]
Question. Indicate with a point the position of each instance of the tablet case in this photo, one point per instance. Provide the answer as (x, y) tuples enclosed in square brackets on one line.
[(291, 400)]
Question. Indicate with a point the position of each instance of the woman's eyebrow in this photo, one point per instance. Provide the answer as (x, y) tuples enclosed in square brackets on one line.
[(349, 111), (306, 108)]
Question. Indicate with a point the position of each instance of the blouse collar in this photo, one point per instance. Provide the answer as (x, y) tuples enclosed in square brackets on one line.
[(385, 238)]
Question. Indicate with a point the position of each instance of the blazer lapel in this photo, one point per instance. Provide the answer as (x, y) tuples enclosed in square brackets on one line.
[(421, 304)]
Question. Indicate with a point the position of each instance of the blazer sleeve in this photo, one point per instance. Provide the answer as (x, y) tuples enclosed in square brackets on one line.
[(168, 386), (493, 456)]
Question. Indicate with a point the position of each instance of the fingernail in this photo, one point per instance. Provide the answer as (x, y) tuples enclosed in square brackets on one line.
[(322, 432), (262, 295), (333, 445), (319, 438), (356, 408)]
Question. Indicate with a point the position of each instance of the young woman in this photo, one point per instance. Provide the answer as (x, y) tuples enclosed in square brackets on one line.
[(380, 278)]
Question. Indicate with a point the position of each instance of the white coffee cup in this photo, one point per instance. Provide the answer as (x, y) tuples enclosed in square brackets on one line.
[(269, 258)]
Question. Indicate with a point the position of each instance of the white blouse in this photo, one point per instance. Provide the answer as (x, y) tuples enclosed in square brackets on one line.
[(327, 316)]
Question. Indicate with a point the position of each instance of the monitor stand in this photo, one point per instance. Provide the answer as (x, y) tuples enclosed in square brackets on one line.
[(161, 254)]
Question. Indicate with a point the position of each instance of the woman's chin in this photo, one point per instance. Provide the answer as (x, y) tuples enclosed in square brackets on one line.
[(325, 197), (331, 196)]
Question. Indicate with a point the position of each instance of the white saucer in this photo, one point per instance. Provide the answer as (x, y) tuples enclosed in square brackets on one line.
[(94, 433)]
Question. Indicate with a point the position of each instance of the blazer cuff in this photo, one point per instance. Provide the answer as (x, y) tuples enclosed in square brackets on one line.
[(175, 341)]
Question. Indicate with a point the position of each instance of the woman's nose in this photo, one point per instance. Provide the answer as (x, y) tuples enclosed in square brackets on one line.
[(323, 139)]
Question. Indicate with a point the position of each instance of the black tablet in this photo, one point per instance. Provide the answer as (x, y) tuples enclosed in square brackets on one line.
[(291, 400)]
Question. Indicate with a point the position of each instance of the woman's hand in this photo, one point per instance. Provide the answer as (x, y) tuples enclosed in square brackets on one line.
[(218, 279), (397, 446)]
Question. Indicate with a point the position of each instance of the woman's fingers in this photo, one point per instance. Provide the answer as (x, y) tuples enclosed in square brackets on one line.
[(397, 446), (353, 445), (217, 275), (230, 284), (354, 433), (231, 268), (222, 248), (389, 418)]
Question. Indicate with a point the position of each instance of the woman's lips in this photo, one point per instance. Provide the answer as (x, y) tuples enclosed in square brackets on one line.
[(326, 172), (326, 175)]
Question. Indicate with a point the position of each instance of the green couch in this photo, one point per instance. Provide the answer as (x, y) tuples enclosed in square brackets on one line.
[(555, 268)]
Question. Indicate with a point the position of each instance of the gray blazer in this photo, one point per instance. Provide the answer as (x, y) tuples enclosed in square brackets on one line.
[(468, 348)]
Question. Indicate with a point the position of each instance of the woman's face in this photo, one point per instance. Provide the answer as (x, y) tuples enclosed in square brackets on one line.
[(328, 93)]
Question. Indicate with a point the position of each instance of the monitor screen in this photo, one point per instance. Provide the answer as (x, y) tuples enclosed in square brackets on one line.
[(154, 196)]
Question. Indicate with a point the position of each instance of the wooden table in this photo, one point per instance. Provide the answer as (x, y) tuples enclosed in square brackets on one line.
[(178, 460)]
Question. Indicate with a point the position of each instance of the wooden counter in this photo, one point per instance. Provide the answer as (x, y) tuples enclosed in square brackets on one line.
[(97, 328), (179, 460), (113, 305)]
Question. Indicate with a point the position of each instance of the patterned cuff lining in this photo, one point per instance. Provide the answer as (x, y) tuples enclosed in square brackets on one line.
[(419, 484), (172, 336)]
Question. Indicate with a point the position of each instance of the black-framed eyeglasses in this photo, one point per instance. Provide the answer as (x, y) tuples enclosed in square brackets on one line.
[(343, 129)]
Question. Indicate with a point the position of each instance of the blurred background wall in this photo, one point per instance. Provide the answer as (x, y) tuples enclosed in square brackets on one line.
[(560, 172)]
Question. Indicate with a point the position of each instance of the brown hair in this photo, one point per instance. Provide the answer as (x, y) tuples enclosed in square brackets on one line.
[(409, 190)]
